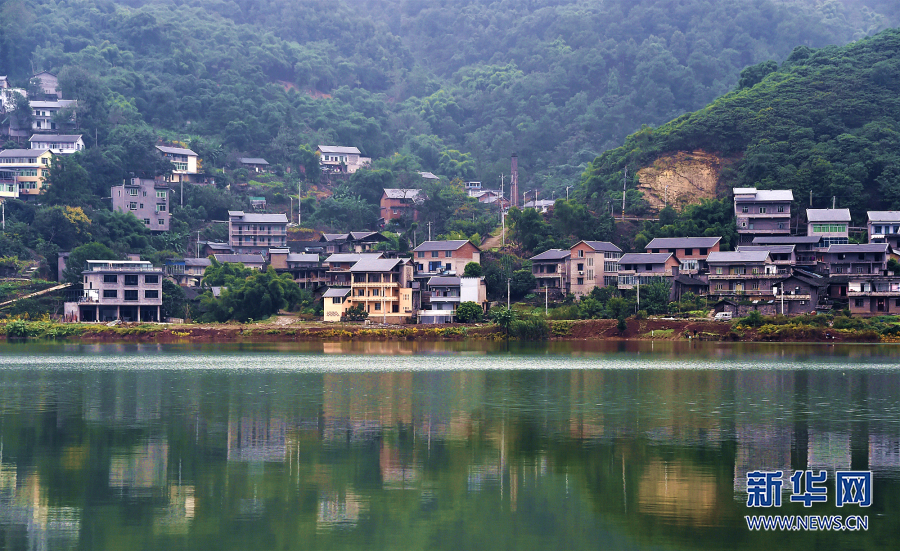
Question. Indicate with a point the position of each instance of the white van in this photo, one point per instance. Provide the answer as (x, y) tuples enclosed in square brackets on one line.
[(723, 316)]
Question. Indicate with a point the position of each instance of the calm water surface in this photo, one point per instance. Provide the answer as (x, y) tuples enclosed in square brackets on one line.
[(436, 446)]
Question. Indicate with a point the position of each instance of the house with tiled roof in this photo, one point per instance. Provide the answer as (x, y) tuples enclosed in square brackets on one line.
[(448, 258), (762, 212), (691, 251), (593, 264), (832, 225), (256, 233), (643, 268), (397, 203), (551, 270), (341, 159)]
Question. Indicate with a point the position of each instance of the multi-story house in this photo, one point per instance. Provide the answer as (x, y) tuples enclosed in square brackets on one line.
[(45, 114), (855, 259), (49, 85), (31, 167), (187, 272), (443, 294), (742, 273), (551, 270), (9, 184), (306, 269), (447, 258), (147, 199), (874, 295), (644, 268), (58, 144), (762, 212), (337, 267), (783, 256), (884, 227), (832, 225), (126, 290), (805, 247), (593, 264), (382, 286), (338, 159), (185, 165), (256, 233), (396, 203), (691, 251)]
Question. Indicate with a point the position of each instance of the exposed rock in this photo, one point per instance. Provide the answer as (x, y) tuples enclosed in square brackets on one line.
[(681, 179)]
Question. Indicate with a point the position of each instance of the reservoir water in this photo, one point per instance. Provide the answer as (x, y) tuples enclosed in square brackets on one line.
[(444, 446)]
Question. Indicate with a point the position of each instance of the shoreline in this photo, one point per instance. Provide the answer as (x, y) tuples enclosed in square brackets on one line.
[(654, 329)]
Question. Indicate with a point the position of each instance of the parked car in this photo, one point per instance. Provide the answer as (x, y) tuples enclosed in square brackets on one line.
[(723, 316)]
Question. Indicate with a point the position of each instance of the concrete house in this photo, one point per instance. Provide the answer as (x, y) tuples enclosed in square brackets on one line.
[(254, 261), (44, 113), (783, 256), (382, 286), (884, 227), (9, 184), (256, 233), (147, 199), (49, 85), (254, 164), (644, 268), (805, 247), (339, 159), (31, 167), (874, 295), (58, 144), (762, 212), (593, 264), (187, 272), (447, 258), (749, 273), (337, 267), (855, 259), (691, 251), (832, 225), (396, 203), (126, 290), (551, 270), (306, 269), (443, 294), (185, 166)]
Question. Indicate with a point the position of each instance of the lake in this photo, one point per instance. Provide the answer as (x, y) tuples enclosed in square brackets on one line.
[(456, 446)]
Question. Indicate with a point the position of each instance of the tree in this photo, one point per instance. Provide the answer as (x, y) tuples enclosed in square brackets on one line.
[(66, 227), (173, 300), (468, 312), (67, 183), (504, 317), (472, 269), (655, 296), (79, 257)]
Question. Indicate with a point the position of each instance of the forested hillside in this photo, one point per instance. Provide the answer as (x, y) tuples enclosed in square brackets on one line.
[(457, 85), (825, 124)]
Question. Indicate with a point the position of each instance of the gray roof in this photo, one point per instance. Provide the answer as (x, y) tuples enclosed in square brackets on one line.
[(854, 248), (763, 194), (449, 245), (336, 292), (264, 218), (540, 203), (737, 256), (22, 152), (786, 239), (604, 246), (58, 103), (397, 193), (779, 249), (218, 246), (553, 254), (197, 262), (302, 257), (682, 242), (338, 149), (175, 150), (376, 265), (828, 215), (68, 138), (360, 235), (242, 258), (351, 257), (428, 176), (443, 280), (253, 161), (333, 236), (645, 258), (884, 215)]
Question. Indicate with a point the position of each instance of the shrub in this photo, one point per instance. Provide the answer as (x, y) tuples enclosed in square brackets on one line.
[(561, 328), (469, 312), (534, 329)]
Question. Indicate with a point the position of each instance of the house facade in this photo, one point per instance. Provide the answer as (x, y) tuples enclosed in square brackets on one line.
[(551, 270), (124, 290), (870, 258), (883, 226), (783, 256), (806, 247), (874, 295), (691, 251), (45, 114), (397, 203), (443, 294), (187, 272), (832, 225), (185, 165), (306, 269), (337, 267), (256, 233), (58, 144), (447, 258), (750, 273), (382, 287), (9, 184), (593, 264), (147, 199), (762, 212), (339, 159), (643, 268), (249, 260), (254, 164)]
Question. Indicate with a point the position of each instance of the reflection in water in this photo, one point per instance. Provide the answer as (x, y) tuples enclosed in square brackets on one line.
[(268, 446)]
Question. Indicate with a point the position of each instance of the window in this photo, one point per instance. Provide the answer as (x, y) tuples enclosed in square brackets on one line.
[(648, 267), (421, 254), (160, 207), (829, 228), (161, 221), (132, 206), (762, 210), (132, 192), (151, 279), (375, 292), (703, 252), (580, 281), (131, 279), (145, 194), (335, 300), (110, 278), (448, 254), (131, 294), (861, 270), (110, 293), (590, 262), (160, 194), (858, 302), (688, 252), (146, 221), (781, 225), (151, 293), (142, 205), (377, 306), (434, 254), (719, 270), (745, 209), (580, 267)]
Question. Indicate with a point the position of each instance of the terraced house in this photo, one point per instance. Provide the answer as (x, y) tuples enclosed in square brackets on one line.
[(762, 212), (256, 233), (381, 286), (593, 264), (31, 167)]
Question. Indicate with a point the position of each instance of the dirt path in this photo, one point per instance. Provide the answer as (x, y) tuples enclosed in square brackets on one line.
[(37, 294)]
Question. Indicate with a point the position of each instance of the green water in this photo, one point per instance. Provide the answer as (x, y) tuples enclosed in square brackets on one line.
[(450, 446)]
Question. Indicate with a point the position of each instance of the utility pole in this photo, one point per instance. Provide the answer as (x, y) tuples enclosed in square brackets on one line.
[(810, 198), (666, 203), (567, 192), (833, 199), (291, 210), (507, 292), (299, 191), (624, 180), (3, 205), (429, 231), (198, 243), (546, 300), (182, 191)]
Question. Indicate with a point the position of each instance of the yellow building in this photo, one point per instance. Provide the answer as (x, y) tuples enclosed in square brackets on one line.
[(382, 286), (31, 167)]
